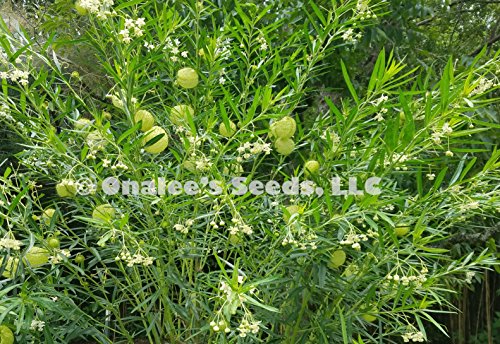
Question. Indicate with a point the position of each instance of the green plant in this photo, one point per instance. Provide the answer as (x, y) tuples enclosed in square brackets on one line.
[(222, 266)]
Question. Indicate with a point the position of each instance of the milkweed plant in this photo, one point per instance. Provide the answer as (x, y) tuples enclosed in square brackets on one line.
[(197, 94)]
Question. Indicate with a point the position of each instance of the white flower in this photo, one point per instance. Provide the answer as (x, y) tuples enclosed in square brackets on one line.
[(468, 276), (181, 228), (129, 23), (6, 243), (37, 325), (140, 22), (447, 130)]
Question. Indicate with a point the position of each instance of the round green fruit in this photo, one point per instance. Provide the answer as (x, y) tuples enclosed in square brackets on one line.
[(368, 317), (79, 259), (6, 335), (53, 242), (66, 188), (47, 215), (292, 210), (179, 114), (146, 118), (96, 140), (225, 131), (284, 146), (337, 259), (311, 167), (37, 256), (284, 128), (104, 212), (82, 123), (187, 78), (401, 230), (160, 145)]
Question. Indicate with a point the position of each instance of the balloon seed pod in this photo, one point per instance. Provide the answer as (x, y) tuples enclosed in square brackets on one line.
[(146, 118), (160, 145), (187, 78)]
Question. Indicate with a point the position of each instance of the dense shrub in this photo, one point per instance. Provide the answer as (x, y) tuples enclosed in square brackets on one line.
[(203, 92)]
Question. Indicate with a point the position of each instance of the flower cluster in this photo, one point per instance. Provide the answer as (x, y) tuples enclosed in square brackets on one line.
[(469, 206), (117, 166), (221, 325), (263, 43), (222, 48), (418, 280), (363, 10), (232, 300), (247, 327), (12, 71), (184, 228), (101, 8), (134, 259), (380, 115), (37, 325), (59, 256), (202, 163), (349, 36), (331, 137), (354, 239), (483, 86), (307, 241), (248, 150), (397, 158), (413, 336), (133, 28), (469, 275), (5, 112), (12, 244), (16, 75), (437, 134), (381, 100), (239, 226), (173, 47)]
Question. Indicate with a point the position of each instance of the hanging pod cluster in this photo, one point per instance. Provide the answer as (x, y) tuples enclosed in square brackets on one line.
[(282, 132)]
